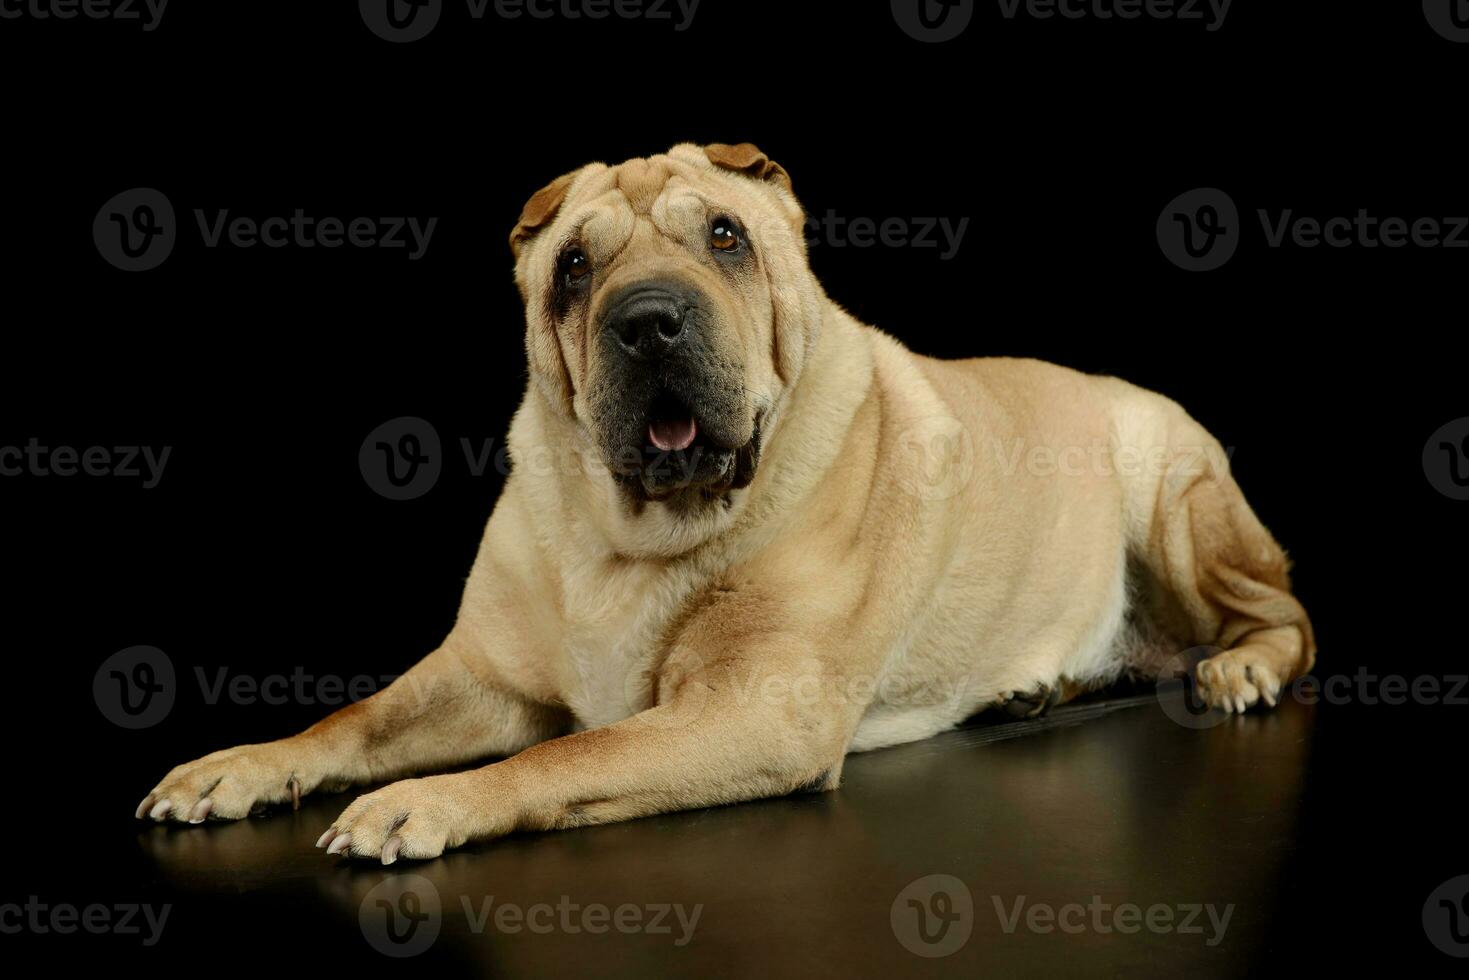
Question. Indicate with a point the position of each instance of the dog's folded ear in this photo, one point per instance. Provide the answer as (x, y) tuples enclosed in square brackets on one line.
[(746, 158), (539, 211)]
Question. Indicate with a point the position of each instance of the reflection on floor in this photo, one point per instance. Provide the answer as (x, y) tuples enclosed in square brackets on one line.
[(1108, 831)]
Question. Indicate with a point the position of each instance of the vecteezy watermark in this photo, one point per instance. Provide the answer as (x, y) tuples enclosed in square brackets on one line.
[(1363, 230), (1446, 459), (62, 918), (675, 920), (147, 13), (297, 687), (1103, 918), (838, 231), (401, 459), (1179, 698), (137, 688), (933, 21), (301, 230), (137, 230), (35, 459), (1177, 690), (1450, 18), (1200, 230), (403, 21), (1446, 917), (940, 456), (404, 458), (1391, 690), (402, 916), (933, 916), (648, 690), (1210, 12)]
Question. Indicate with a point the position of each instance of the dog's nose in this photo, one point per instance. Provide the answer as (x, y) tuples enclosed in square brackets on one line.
[(649, 324)]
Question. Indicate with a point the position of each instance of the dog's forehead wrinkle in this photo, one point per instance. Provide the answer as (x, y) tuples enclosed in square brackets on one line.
[(641, 181), (606, 227), (640, 250)]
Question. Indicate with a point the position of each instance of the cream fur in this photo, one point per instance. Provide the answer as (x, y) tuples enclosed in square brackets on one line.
[(922, 540)]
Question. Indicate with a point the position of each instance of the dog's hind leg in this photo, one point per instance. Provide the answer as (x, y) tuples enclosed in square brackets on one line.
[(1036, 703), (1224, 580)]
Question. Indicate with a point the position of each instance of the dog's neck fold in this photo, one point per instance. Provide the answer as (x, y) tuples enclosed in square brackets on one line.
[(561, 468)]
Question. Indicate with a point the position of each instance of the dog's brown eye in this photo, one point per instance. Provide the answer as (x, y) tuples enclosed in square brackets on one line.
[(723, 237), (575, 265)]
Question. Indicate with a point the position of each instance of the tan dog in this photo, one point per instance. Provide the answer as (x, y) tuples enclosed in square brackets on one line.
[(746, 535)]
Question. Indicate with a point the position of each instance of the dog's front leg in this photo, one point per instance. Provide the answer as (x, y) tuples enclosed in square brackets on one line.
[(448, 710), (741, 729)]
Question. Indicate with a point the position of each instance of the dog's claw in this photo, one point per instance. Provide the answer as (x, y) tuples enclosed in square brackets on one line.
[(160, 809), (1032, 704), (326, 838), (201, 810), (143, 807), (391, 849), (340, 844)]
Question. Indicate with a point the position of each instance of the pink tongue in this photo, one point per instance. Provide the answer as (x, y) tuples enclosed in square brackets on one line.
[(673, 435)]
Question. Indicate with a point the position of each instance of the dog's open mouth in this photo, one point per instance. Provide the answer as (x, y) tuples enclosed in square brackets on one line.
[(672, 426), (680, 454)]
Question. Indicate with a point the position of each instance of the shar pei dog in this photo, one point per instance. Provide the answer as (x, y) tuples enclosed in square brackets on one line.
[(745, 535)]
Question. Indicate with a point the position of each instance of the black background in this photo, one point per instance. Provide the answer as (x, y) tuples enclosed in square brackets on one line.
[(263, 550)]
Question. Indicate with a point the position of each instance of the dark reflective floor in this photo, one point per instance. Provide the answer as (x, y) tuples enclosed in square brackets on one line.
[(1223, 842)]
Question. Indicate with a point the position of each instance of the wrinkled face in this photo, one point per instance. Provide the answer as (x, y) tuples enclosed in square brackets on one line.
[(658, 296)]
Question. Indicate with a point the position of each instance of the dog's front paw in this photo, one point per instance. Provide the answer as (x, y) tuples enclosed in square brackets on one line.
[(1236, 680), (227, 785), (414, 818)]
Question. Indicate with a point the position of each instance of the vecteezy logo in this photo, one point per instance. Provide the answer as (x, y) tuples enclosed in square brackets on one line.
[(1450, 18), (401, 21), (933, 916), (401, 916), (938, 457), (933, 21), (1200, 230), (1446, 917), (135, 230), (1178, 693), (1446, 459), (401, 459), (134, 688)]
